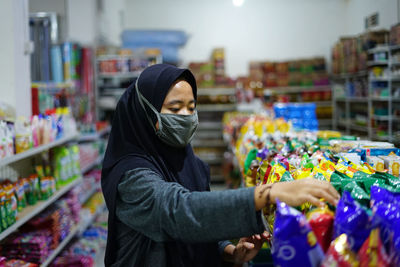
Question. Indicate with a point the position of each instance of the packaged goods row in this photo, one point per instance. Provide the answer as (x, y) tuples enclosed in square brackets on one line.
[(360, 229)]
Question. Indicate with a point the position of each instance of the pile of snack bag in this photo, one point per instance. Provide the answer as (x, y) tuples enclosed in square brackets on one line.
[(36, 239), (40, 185), (362, 230)]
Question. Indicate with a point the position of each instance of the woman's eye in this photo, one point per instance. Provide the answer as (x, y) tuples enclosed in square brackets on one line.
[(192, 109), (174, 109)]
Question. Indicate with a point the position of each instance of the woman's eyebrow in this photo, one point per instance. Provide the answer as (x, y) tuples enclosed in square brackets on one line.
[(174, 102)]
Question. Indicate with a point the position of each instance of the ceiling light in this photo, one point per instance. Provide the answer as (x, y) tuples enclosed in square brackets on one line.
[(238, 2)]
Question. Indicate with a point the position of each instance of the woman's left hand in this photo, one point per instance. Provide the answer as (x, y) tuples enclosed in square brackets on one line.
[(248, 247)]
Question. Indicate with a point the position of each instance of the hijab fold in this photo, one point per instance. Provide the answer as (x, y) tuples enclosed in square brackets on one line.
[(133, 144)]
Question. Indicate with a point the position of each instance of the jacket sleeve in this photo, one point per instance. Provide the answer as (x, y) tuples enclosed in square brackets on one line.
[(165, 211)]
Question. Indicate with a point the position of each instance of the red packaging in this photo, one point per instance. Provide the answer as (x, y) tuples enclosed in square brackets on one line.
[(340, 254), (372, 253), (321, 222)]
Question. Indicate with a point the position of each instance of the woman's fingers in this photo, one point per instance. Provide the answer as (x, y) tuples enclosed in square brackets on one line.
[(314, 201), (326, 195)]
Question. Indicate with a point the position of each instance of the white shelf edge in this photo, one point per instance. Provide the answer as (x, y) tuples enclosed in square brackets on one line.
[(36, 150), (61, 246), (94, 136), (39, 207), (296, 89), (377, 62), (216, 107), (133, 74), (215, 91)]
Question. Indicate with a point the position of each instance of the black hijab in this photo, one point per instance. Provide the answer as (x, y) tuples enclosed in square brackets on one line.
[(134, 144)]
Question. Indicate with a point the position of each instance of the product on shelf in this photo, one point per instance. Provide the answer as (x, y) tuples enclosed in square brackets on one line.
[(37, 239), (369, 198), (350, 54)]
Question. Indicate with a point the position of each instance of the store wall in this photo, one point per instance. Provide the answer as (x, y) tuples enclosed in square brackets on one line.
[(357, 10), (259, 30), (15, 60)]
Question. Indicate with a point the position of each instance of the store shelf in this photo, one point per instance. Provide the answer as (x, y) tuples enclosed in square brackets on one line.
[(357, 99), (33, 151), (381, 137), (216, 107), (353, 99), (89, 222), (120, 75), (92, 165), (208, 143), (380, 118), (296, 89), (94, 136), (350, 75), (377, 79), (359, 128), (88, 195), (212, 160), (322, 103), (377, 63), (31, 211), (210, 125), (394, 47), (395, 63), (215, 91), (380, 98), (61, 246), (324, 122), (378, 49)]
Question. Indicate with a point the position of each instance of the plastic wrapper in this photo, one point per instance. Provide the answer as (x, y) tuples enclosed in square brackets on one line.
[(294, 242), (372, 253), (351, 219), (321, 222), (276, 173), (357, 193), (339, 254)]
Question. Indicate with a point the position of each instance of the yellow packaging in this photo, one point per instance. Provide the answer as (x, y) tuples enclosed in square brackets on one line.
[(302, 173), (392, 164), (276, 173), (376, 162)]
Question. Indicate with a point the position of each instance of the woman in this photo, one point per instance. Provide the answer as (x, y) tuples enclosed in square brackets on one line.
[(156, 189)]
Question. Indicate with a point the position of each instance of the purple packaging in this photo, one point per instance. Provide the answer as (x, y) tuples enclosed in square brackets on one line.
[(294, 243)]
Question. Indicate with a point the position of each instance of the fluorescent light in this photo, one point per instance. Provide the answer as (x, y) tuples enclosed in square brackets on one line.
[(238, 2)]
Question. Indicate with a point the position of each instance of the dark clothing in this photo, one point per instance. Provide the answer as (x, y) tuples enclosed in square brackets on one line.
[(149, 207)]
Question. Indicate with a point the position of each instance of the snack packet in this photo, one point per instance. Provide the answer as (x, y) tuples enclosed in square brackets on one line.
[(340, 254), (321, 222), (372, 253), (351, 219), (294, 242)]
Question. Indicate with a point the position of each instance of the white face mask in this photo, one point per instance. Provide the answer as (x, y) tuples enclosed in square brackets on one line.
[(174, 130)]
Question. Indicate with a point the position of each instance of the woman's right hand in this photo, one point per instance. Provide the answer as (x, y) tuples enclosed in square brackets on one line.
[(296, 193)]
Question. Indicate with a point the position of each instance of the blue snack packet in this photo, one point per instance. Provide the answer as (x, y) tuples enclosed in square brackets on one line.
[(294, 243), (386, 210), (351, 219)]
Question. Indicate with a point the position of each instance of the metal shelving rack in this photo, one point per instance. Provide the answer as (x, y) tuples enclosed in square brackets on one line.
[(371, 99), (347, 101), (108, 93), (208, 142), (31, 211)]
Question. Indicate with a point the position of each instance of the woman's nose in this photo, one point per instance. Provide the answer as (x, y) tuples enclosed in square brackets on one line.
[(185, 111)]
